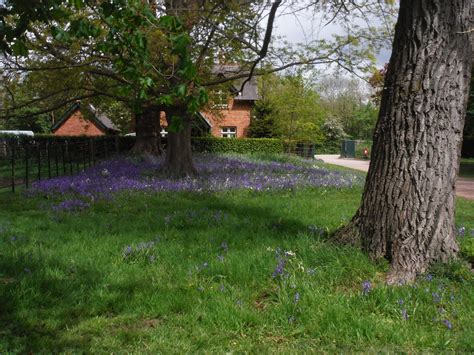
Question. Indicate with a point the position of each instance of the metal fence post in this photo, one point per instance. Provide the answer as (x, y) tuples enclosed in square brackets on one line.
[(13, 164), (27, 158), (48, 156), (38, 149)]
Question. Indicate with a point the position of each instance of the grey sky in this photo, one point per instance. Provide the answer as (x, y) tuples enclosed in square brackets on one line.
[(304, 28)]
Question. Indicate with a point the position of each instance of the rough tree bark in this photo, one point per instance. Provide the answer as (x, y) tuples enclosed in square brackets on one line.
[(179, 161), (407, 209), (146, 127)]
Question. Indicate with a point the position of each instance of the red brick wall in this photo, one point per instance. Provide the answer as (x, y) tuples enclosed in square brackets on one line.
[(77, 125), (237, 115)]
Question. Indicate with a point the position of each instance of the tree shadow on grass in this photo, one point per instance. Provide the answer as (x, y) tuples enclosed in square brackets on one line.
[(47, 295)]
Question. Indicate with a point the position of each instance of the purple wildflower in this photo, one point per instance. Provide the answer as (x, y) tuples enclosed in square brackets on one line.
[(436, 297), (220, 258), (128, 250), (401, 302), (312, 271), (448, 324), (429, 277), (366, 287), (13, 238), (461, 231), (297, 297), (71, 206), (291, 319), (217, 174), (222, 288), (280, 268)]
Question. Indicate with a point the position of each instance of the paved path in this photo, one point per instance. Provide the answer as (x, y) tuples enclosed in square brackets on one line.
[(464, 188)]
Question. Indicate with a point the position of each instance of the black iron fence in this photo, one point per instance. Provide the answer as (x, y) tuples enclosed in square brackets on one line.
[(24, 160)]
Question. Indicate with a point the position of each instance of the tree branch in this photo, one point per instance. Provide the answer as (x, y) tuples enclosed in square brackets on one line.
[(266, 41)]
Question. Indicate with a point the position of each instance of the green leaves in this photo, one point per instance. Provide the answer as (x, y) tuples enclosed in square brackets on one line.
[(181, 90), (83, 28), (180, 44), (171, 23), (166, 100), (78, 4), (176, 124), (19, 48)]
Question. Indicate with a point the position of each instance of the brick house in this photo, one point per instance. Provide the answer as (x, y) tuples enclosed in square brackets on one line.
[(231, 114), (83, 120)]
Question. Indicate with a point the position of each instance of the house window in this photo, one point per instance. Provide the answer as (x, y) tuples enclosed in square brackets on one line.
[(229, 132)]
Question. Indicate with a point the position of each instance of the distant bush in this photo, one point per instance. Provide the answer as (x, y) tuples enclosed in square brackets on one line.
[(240, 145), (360, 146)]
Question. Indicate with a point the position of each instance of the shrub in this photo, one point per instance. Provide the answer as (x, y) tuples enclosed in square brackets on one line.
[(241, 145), (360, 146)]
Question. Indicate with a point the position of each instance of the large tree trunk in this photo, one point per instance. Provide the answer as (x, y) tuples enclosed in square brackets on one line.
[(178, 161), (147, 125), (407, 209)]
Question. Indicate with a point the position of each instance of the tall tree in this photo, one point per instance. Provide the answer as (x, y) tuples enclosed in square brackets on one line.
[(407, 209), (159, 55)]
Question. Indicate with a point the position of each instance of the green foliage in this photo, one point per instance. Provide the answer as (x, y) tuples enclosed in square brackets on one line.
[(241, 145), (359, 148), (364, 120), (291, 109), (345, 100), (262, 124), (333, 132), (466, 168), (469, 125)]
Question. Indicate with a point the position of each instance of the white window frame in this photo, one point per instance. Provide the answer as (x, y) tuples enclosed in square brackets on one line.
[(229, 132)]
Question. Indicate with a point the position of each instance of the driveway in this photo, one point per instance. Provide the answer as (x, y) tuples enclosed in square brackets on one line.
[(464, 187)]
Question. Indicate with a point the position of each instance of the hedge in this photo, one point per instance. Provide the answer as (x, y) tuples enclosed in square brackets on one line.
[(238, 145)]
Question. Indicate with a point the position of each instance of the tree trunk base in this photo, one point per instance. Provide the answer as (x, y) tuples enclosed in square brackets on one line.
[(179, 160), (146, 147), (348, 235), (405, 265)]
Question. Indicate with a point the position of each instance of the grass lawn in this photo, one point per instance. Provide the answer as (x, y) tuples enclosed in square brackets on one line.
[(467, 168), (237, 270)]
